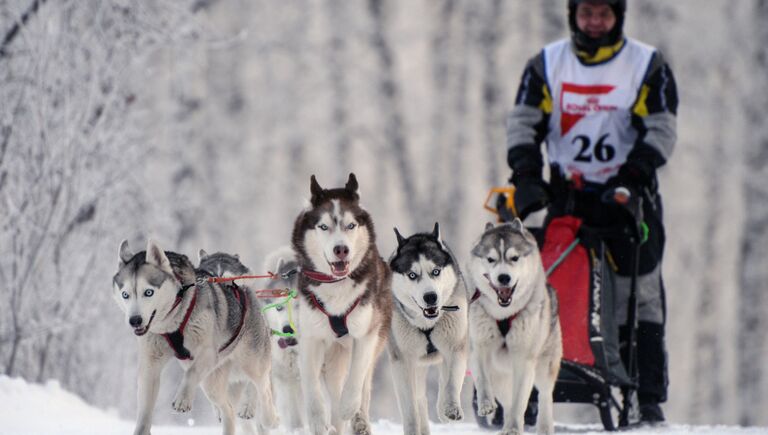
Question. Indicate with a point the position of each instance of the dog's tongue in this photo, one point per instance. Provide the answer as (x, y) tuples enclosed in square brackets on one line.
[(284, 342), (339, 268), (505, 293)]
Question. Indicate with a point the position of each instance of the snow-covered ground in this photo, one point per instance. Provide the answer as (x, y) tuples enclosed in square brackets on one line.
[(32, 409)]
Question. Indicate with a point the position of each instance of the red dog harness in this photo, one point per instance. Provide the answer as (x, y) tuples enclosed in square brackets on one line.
[(338, 323), (176, 339)]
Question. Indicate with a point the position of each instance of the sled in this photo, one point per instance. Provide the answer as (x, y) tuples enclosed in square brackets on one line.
[(594, 370)]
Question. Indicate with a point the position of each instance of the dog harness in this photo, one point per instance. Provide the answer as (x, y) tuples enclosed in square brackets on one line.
[(176, 339), (430, 346), (338, 323), (504, 324)]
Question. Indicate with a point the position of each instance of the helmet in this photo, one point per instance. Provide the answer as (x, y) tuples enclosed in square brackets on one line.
[(591, 45)]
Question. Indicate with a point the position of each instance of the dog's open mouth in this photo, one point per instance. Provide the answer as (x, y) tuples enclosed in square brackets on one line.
[(285, 342), (339, 268), (504, 294), (141, 330), (431, 312)]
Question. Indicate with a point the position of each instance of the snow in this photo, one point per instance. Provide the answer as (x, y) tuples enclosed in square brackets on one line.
[(34, 409)]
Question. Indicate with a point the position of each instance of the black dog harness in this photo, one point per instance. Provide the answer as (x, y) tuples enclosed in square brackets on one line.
[(176, 339), (338, 323), (504, 324)]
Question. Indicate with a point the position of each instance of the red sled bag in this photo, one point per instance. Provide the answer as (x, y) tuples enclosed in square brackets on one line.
[(574, 258)]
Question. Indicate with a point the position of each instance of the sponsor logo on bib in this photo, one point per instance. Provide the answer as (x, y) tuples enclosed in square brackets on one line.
[(578, 101)]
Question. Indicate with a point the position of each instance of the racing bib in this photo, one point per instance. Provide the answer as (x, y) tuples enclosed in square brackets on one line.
[(590, 131)]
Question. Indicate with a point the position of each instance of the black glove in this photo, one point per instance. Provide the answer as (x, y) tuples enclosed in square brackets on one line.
[(531, 194), (635, 176)]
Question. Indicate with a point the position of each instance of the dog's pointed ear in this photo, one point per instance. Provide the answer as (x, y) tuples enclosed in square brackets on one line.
[(157, 257), (314, 186), (436, 232), (351, 183), (400, 238), (200, 255), (517, 225), (488, 226), (124, 253)]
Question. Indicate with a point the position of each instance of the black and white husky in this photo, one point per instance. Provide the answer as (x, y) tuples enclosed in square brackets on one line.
[(215, 331), (429, 326), (345, 306), (514, 329)]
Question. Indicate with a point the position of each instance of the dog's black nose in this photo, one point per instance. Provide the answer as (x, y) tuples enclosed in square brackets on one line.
[(504, 279), (287, 329), (430, 298), (135, 321), (341, 251)]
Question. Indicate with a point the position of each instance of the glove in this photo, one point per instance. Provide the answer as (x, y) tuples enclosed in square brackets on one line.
[(531, 194), (635, 176)]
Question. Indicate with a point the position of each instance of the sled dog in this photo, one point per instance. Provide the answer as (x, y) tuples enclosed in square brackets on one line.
[(429, 326), (285, 354), (210, 328), (345, 306), (514, 329), (221, 264)]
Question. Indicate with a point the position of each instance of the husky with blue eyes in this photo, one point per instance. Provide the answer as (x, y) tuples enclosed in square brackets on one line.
[(514, 329), (429, 327), (345, 308), (216, 332)]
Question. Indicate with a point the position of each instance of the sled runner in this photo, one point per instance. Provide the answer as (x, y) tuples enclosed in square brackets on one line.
[(598, 366)]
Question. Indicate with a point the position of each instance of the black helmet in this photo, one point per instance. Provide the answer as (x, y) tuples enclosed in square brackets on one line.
[(591, 45)]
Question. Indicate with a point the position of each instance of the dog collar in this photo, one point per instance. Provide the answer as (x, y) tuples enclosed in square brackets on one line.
[(321, 277), (338, 323)]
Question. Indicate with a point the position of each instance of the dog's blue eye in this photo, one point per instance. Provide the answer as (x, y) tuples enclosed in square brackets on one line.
[(125, 295), (491, 260), (435, 272), (412, 275), (149, 292), (351, 226), (323, 227)]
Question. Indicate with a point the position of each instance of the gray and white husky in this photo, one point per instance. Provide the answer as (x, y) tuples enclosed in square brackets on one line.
[(429, 326), (222, 264), (514, 328), (285, 353), (346, 306), (211, 329)]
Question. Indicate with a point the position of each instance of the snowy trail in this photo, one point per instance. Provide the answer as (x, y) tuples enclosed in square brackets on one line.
[(32, 409)]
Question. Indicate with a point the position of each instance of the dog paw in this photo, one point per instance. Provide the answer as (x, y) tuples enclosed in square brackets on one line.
[(451, 412), (349, 407), (182, 404), (360, 425), (247, 411), (486, 407)]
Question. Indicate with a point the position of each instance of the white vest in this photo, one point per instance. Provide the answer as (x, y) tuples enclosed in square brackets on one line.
[(590, 129)]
